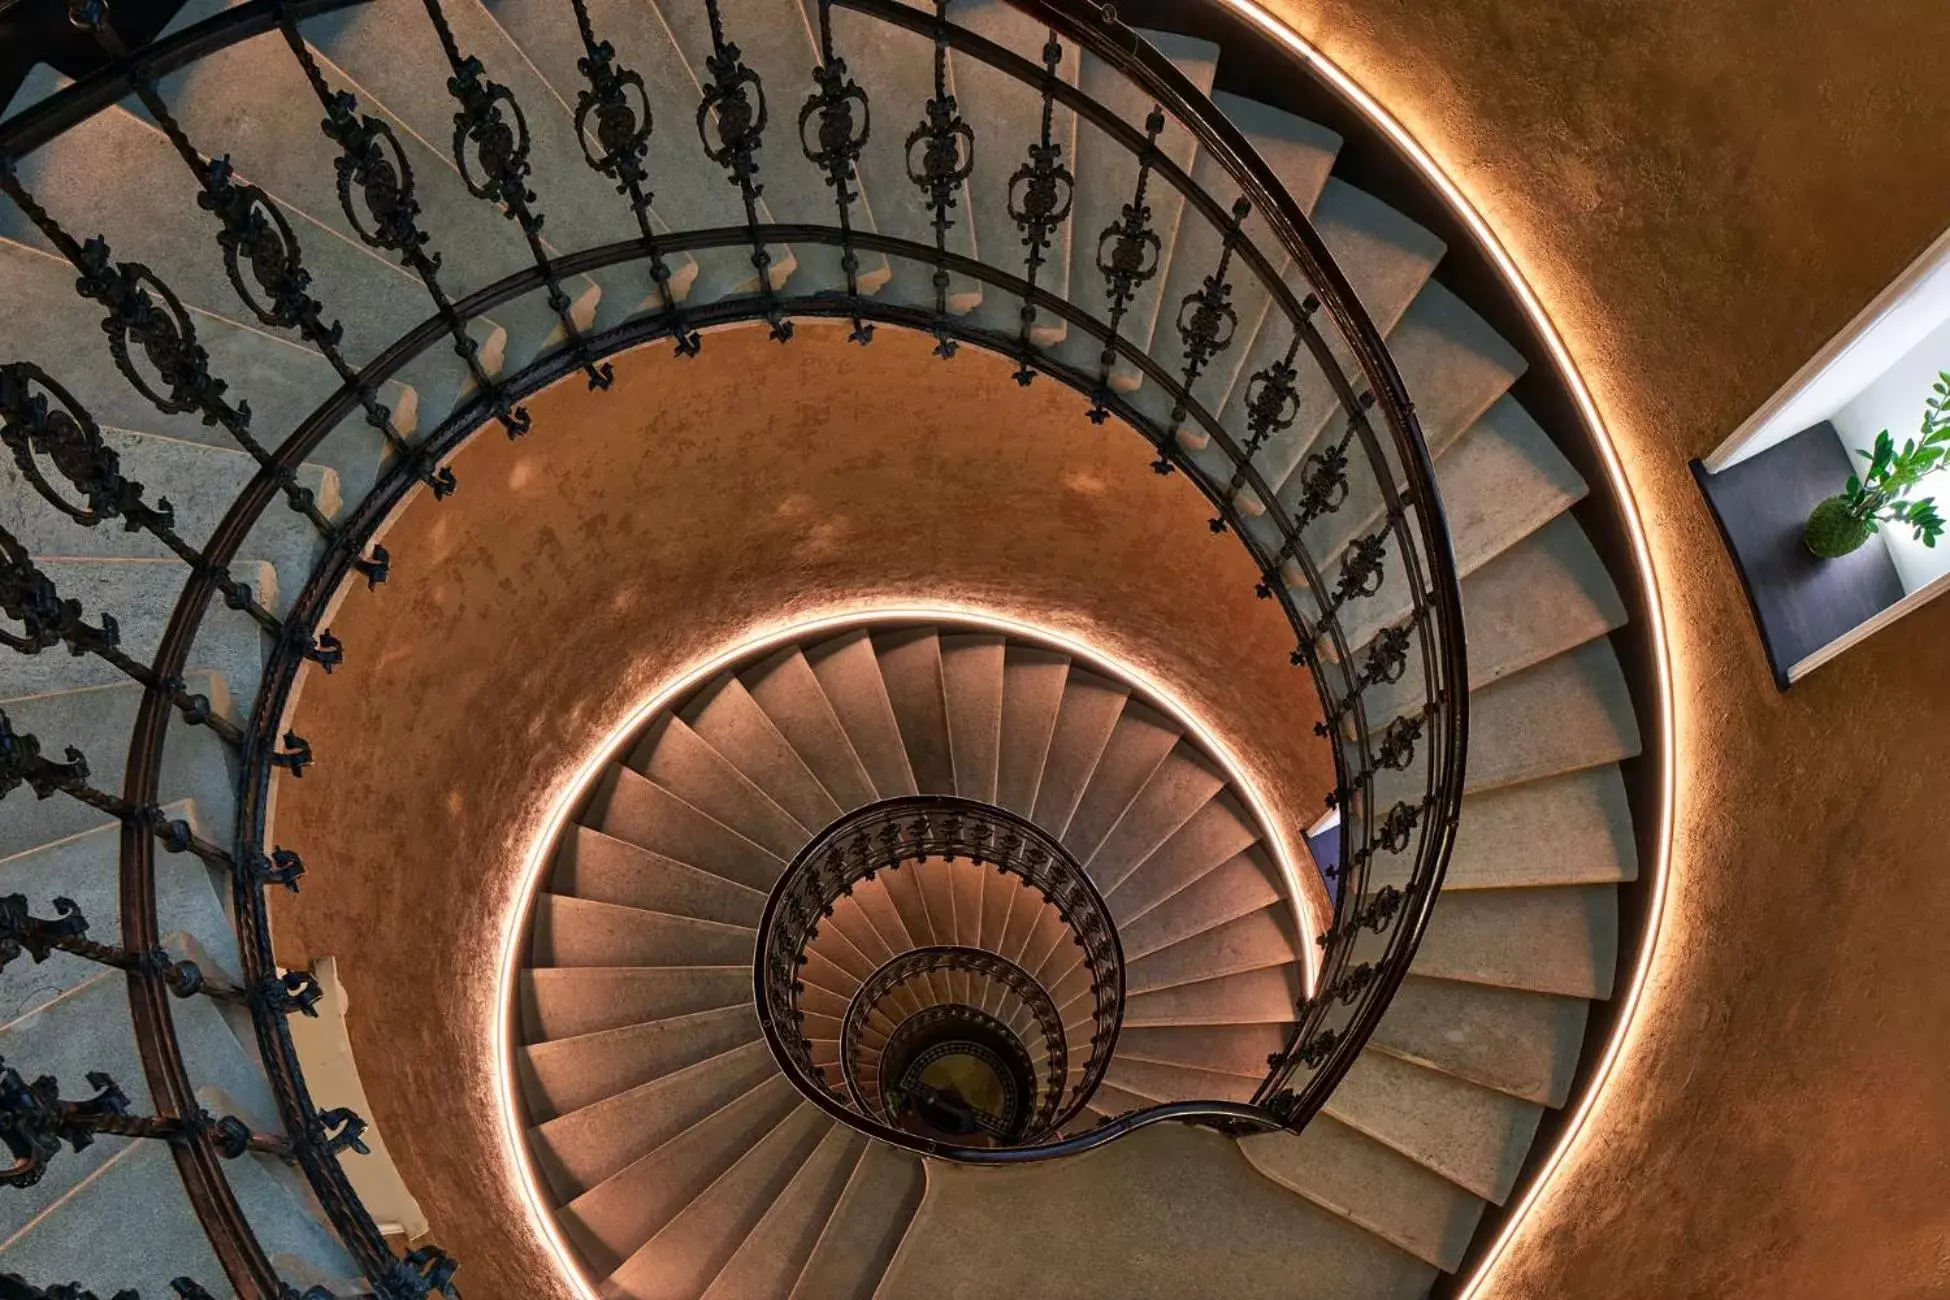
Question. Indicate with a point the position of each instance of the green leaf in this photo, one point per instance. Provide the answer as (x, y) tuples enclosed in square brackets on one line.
[(1854, 487)]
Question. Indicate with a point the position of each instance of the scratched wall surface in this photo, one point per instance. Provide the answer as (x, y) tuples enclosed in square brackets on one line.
[(636, 533), (1703, 192)]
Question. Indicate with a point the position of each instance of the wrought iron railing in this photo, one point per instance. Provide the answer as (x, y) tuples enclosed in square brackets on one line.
[(1329, 523), (896, 834), (990, 968)]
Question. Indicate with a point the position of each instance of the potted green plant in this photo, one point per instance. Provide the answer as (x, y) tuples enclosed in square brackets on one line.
[(1880, 494)]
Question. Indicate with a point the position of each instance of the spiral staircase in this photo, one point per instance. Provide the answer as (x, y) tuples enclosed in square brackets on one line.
[(1387, 1079)]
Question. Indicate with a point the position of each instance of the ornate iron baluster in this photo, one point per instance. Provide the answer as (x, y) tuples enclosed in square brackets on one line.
[(500, 156), (35, 1122), (47, 620), (1206, 322), (1041, 191), (1128, 256), (947, 158), (36, 937), (372, 161), (835, 149), (22, 763), (129, 293), (15, 1287), (620, 106), (740, 124), (186, 1289), (257, 236)]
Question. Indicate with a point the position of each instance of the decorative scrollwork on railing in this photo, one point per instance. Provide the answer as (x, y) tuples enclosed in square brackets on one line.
[(896, 833)]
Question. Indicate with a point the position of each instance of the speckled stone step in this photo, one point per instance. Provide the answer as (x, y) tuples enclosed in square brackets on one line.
[(594, 866), (1525, 1044), (1472, 1136), (580, 932), (849, 675), (629, 806), (866, 1227), (564, 1002), (910, 666), (768, 1261), (1561, 940), (682, 762), (1033, 683), (567, 1074), (972, 678), (1569, 713), (732, 722), (1264, 996)]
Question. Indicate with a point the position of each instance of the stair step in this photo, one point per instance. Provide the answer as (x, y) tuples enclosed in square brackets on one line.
[(1032, 692), (579, 1149), (98, 721), (629, 806), (595, 867), (577, 932), (910, 666), (564, 1075), (1524, 1044), (768, 1261), (866, 1227), (1264, 996), (1181, 785), (1136, 749), (134, 1185), (569, 1001), (1343, 1170), (1475, 1138), (1569, 713), (972, 671), (1229, 891), (1262, 938), (1158, 1082), (1084, 722), (795, 702), (1559, 940), (734, 724), (850, 675), (1218, 832), (686, 1254), (611, 1221), (682, 762), (1230, 1049), (1574, 829), (87, 868), (141, 596)]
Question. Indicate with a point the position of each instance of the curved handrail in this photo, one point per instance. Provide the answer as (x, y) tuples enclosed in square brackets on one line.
[(1354, 995)]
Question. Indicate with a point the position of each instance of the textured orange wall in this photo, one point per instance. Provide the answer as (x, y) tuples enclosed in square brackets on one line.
[(629, 537), (1703, 192)]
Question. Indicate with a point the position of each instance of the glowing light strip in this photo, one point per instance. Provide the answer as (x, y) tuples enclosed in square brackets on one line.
[(753, 646), (1630, 1024)]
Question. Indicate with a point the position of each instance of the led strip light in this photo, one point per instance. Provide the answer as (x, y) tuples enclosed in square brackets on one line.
[(1630, 1022)]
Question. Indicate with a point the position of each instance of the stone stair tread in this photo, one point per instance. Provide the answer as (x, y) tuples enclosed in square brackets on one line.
[(735, 724), (1215, 834), (565, 1075), (1562, 939), (141, 595), (600, 868), (767, 1262), (1472, 1136), (1568, 713), (684, 763), (1175, 791), (1263, 996), (98, 720), (1369, 1183), (610, 1221), (1523, 1044), (87, 868), (627, 805), (133, 1184), (1032, 693), (1157, 1081), (569, 1001), (1451, 358), (796, 703), (1137, 747), (972, 675), (1228, 1049), (910, 667), (681, 1260), (580, 932), (1084, 722), (1236, 888), (1262, 938), (579, 1149), (866, 1227), (850, 676)]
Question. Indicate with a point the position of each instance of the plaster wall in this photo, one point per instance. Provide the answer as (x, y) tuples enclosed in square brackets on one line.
[(627, 540), (1703, 192)]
